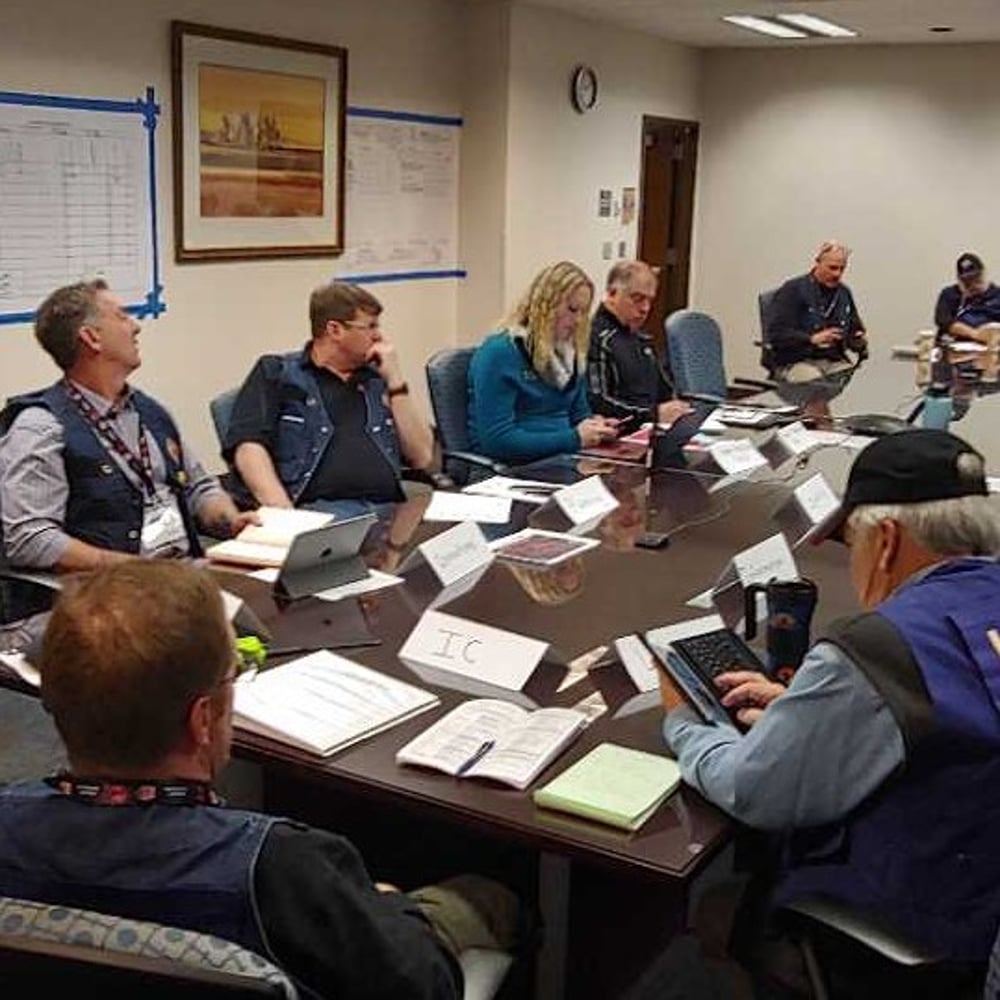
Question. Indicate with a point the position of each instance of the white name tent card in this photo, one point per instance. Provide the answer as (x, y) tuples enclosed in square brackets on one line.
[(467, 507), (456, 552), (585, 501), (809, 505), (490, 655), (770, 559), (736, 456)]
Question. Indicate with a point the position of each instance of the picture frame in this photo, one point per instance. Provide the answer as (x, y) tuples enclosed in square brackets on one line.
[(258, 157)]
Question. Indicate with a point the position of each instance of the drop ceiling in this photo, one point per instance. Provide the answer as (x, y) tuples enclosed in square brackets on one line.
[(697, 22)]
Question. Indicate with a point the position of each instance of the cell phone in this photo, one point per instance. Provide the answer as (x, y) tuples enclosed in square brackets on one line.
[(653, 540)]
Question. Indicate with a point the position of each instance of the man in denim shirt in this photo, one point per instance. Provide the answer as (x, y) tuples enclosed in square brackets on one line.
[(333, 421)]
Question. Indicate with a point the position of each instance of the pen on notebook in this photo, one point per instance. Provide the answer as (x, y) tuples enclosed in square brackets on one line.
[(301, 650), (484, 749)]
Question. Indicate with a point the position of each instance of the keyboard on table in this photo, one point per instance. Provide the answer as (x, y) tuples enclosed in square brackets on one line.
[(714, 653)]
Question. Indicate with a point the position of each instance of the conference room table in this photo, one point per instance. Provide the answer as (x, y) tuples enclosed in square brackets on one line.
[(608, 899)]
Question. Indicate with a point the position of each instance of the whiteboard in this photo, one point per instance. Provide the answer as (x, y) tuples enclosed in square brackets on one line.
[(76, 200), (401, 192)]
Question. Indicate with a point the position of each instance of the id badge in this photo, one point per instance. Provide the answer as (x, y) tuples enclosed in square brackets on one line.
[(163, 531)]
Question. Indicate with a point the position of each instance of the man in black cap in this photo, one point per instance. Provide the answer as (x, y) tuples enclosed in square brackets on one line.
[(878, 767), (964, 308)]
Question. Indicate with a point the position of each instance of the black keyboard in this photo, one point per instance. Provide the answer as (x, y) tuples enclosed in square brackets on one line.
[(714, 653)]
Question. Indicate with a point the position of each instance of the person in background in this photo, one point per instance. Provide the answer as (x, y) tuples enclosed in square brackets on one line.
[(327, 427), (93, 471), (527, 384), (878, 767), (963, 308), (137, 668), (626, 378), (810, 329)]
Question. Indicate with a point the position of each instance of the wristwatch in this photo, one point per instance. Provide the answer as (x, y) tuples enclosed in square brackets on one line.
[(400, 390)]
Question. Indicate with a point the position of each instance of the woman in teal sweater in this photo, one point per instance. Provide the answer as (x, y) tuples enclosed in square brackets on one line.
[(527, 390)]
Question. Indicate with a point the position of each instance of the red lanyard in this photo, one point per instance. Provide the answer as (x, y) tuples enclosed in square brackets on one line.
[(112, 441)]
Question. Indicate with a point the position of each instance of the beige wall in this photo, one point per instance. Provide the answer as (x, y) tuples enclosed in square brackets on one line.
[(894, 150), (559, 159), (403, 56)]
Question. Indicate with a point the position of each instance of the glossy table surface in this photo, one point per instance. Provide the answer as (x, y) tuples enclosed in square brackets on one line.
[(586, 602)]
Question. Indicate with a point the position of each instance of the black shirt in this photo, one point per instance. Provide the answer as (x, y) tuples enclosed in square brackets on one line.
[(626, 378), (329, 928), (352, 467), (973, 310)]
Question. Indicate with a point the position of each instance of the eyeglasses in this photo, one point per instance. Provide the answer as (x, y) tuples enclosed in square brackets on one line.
[(371, 327)]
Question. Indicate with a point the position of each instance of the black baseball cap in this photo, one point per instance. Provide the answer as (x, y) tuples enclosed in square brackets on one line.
[(969, 265), (907, 467)]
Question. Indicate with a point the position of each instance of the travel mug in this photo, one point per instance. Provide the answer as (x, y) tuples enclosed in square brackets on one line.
[(790, 605)]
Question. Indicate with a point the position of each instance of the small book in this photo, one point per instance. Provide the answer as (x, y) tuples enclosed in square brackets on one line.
[(488, 738), (323, 703), (614, 785), (267, 543)]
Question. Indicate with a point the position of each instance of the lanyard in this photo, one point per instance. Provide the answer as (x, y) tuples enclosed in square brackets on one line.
[(108, 792), (112, 441)]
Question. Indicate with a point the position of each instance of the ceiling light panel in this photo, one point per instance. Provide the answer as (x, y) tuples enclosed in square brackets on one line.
[(817, 25), (764, 26)]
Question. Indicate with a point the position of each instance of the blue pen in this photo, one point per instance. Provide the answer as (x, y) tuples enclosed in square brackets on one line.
[(484, 749)]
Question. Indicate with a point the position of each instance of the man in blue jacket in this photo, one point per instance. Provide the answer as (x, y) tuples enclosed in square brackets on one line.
[(879, 766), (138, 667), (328, 426)]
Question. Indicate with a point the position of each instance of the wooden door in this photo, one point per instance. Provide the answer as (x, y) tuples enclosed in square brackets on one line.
[(666, 211)]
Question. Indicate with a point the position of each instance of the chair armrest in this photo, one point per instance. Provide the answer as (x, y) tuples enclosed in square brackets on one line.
[(481, 461), (863, 929), (438, 480)]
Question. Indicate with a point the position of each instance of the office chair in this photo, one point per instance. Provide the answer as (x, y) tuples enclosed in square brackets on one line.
[(920, 967), (448, 384), (221, 408), (45, 947), (694, 348)]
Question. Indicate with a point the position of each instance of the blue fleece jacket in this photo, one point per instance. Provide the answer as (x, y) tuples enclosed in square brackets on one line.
[(513, 415)]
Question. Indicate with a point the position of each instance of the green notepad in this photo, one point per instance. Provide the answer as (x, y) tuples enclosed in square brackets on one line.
[(612, 784)]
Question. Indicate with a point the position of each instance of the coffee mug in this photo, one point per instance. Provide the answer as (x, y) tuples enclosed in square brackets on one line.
[(790, 605)]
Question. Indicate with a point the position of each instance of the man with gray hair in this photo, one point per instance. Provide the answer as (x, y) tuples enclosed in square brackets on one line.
[(879, 764), (626, 378), (93, 471)]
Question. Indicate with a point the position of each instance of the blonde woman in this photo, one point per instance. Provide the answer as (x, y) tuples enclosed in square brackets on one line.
[(527, 388)]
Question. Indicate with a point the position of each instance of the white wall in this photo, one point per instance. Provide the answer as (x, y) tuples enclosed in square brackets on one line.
[(893, 150), (403, 55), (559, 159)]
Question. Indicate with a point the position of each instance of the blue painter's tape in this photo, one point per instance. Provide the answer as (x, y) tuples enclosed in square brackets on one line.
[(368, 279), (404, 116)]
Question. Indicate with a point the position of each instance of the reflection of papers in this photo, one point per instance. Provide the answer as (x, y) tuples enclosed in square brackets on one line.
[(528, 490), (376, 580), (459, 587), (993, 484), (468, 507)]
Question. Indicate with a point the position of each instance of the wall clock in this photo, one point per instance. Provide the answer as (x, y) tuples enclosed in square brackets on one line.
[(583, 88)]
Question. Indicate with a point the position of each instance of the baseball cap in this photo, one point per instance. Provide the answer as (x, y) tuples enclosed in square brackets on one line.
[(969, 265), (907, 467)]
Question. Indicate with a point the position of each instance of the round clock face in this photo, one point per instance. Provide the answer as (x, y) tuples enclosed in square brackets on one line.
[(584, 88)]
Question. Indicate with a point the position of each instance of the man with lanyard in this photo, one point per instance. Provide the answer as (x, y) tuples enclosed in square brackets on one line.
[(93, 471), (626, 378), (964, 308), (138, 669), (812, 325)]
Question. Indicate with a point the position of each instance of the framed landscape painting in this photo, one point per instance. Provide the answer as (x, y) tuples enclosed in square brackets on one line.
[(258, 145)]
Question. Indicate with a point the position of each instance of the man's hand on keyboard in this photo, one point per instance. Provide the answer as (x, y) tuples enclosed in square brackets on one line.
[(748, 693)]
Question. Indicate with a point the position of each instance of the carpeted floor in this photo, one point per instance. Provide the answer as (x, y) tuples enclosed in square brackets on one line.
[(29, 744)]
